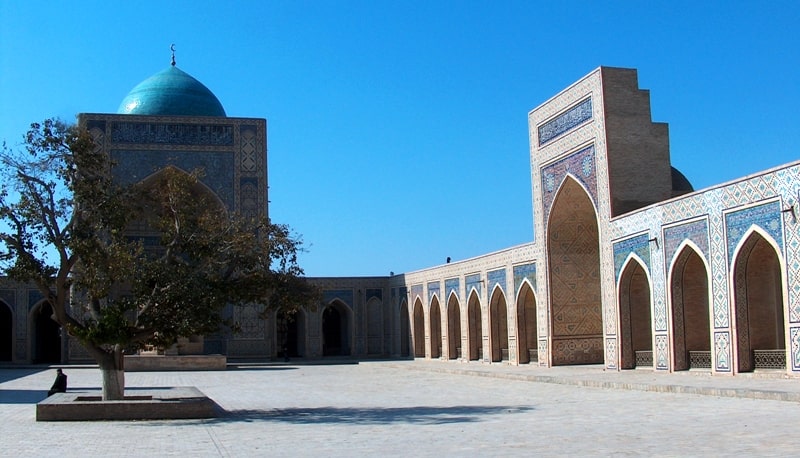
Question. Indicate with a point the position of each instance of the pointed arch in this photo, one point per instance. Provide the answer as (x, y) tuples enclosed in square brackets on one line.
[(436, 328), (634, 302), (199, 189), (690, 299), (419, 329), (6, 332), (758, 301), (45, 335), (475, 327), (453, 327), (527, 327), (573, 252), (337, 329), (498, 325), (405, 329)]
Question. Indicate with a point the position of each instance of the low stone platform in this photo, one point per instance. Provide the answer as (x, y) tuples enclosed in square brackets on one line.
[(150, 363), (139, 404)]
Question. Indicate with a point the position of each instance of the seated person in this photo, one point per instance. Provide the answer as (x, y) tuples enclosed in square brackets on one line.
[(60, 385)]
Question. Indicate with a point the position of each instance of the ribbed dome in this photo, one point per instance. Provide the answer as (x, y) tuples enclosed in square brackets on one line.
[(171, 92)]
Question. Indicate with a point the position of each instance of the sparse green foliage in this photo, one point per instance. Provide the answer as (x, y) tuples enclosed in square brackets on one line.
[(68, 229)]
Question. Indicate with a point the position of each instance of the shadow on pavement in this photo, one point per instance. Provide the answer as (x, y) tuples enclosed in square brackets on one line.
[(419, 415), (22, 396), (7, 374)]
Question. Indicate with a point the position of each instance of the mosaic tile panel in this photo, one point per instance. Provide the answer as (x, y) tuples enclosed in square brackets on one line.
[(172, 134), (344, 295), (416, 291), (722, 350), (473, 282), (580, 165), (611, 353), (375, 292), (662, 352), (248, 317), (433, 289), (134, 166), (566, 121), (496, 277), (525, 272), (696, 231), (794, 337), (639, 245), (250, 148), (451, 286), (767, 216), (34, 296)]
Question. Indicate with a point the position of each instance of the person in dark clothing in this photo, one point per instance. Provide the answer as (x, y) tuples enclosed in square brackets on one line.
[(60, 385)]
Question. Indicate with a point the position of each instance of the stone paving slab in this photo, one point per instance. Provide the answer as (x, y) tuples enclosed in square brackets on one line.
[(408, 408)]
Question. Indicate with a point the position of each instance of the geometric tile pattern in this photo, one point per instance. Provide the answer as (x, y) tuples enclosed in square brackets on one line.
[(374, 292), (172, 134), (696, 231), (433, 290), (566, 121), (794, 335), (639, 245), (767, 216), (344, 295), (473, 281), (662, 352), (496, 277), (525, 272), (722, 347), (451, 286), (416, 291), (579, 165)]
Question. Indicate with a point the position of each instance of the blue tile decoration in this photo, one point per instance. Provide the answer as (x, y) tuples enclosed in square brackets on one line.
[(766, 216), (722, 348), (34, 296), (8, 296), (696, 231), (416, 290), (496, 277), (662, 352), (639, 245), (451, 285), (473, 282), (579, 165), (794, 337), (133, 166), (433, 288), (566, 121), (525, 272), (377, 293), (344, 295), (172, 134)]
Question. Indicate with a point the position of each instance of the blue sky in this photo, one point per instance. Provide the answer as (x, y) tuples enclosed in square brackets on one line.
[(397, 131)]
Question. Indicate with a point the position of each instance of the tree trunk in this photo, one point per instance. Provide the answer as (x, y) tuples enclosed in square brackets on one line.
[(112, 366)]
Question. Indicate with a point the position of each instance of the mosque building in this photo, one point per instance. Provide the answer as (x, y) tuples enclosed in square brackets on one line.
[(630, 267)]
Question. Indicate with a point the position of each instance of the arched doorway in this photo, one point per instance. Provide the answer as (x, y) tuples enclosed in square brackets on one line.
[(46, 336), (290, 333), (758, 287), (574, 270), (453, 328), (475, 327), (527, 332), (436, 329), (691, 332), (498, 326), (405, 330), (335, 330), (6, 332), (636, 331), (419, 330)]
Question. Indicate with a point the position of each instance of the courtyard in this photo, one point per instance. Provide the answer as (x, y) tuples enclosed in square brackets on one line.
[(421, 408)]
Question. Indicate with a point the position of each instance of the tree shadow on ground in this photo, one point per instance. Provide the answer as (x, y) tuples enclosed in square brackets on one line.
[(417, 415), (8, 374)]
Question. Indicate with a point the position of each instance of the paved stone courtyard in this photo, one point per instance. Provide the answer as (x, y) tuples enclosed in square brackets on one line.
[(421, 408)]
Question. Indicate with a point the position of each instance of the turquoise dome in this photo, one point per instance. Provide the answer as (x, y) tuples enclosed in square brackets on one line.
[(171, 92)]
